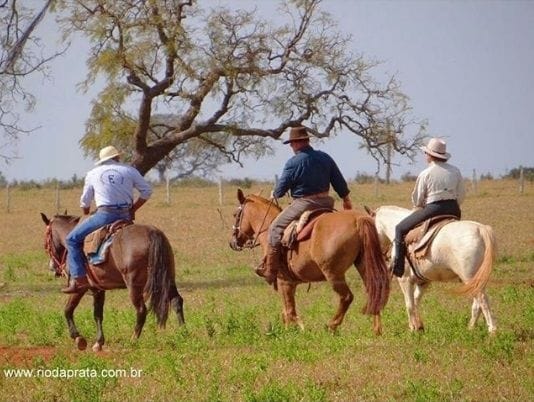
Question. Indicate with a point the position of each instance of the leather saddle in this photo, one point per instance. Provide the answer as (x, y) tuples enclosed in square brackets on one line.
[(301, 229), (97, 243), (419, 239)]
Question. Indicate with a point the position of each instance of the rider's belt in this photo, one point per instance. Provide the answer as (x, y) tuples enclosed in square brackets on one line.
[(316, 195), (114, 208)]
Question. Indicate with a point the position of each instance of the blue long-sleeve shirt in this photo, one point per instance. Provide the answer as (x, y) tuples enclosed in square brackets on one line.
[(310, 172)]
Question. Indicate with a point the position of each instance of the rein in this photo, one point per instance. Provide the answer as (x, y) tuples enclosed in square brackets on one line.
[(237, 228), (59, 263)]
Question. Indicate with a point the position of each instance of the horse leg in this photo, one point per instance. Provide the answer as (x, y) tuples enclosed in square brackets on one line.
[(407, 288), (72, 303), (288, 291), (475, 313), (136, 296), (377, 324), (345, 299), (483, 302), (418, 295), (177, 303), (99, 296)]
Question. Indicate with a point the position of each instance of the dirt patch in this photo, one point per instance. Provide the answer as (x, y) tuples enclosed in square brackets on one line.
[(20, 356)]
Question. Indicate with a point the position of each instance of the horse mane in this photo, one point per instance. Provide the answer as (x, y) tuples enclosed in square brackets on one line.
[(263, 201), (394, 207), (68, 218)]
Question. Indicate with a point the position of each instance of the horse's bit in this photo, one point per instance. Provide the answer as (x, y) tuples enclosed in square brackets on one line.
[(252, 241)]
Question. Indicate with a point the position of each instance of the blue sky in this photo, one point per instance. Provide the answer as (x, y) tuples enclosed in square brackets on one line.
[(467, 66)]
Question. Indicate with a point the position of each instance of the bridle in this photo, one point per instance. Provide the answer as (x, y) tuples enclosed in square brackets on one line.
[(59, 261), (251, 241)]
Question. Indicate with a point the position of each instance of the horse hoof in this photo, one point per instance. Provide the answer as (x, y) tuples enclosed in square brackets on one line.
[(81, 343), (97, 347)]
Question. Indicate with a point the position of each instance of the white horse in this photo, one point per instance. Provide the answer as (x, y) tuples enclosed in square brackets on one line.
[(463, 250)]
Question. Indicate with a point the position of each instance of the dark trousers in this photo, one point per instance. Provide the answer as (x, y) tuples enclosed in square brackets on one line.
[(446, 207)]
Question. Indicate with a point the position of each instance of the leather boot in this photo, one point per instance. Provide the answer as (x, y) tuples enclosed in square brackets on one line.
[(77, 285), (400, 255), (273, 263)]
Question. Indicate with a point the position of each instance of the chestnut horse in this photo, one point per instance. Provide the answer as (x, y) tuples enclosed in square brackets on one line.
[(140, 259), (339, 240)]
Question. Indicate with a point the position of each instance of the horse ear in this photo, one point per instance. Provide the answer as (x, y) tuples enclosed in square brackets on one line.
[(240, 196), (370, 211), (45, 219)]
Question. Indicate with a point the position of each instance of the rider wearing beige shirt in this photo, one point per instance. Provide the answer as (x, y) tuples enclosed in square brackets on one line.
[(439, 190), (439, 181)]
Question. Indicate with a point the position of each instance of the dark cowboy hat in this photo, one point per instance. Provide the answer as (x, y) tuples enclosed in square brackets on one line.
[(296, 134)]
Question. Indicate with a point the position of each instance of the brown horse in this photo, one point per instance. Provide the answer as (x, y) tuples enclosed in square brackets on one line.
[(338, 240), (140, 259)]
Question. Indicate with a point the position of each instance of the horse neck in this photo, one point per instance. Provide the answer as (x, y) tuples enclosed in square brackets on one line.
[(262, 214), (62, 227), (387, 218)]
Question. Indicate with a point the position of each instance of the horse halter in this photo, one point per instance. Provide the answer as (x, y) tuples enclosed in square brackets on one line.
[(52, 249), (236, 230), (251, 241)]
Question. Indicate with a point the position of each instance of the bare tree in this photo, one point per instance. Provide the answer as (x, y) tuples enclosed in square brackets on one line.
[(20, 56), (232, 79)]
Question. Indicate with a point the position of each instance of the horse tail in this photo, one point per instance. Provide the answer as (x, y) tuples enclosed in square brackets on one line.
[(479, 281), (160, 275), (372, 267)]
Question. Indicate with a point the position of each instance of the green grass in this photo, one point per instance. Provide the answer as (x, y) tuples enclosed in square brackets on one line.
[(234, 346)]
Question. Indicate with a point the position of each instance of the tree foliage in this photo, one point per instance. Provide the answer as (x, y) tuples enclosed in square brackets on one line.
[(515, 173), (230, 79)]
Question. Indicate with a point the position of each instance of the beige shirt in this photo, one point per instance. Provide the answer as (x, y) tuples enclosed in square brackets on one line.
[(439, 181)]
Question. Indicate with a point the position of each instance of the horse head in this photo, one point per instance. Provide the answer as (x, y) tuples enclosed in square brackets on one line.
[(251, 218), (57, 229)]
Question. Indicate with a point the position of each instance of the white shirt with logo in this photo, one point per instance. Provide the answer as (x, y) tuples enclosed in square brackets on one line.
[(112, 184)]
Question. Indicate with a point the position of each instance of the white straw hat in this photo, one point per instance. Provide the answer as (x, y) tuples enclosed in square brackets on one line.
[(437, 148), (107, 153)]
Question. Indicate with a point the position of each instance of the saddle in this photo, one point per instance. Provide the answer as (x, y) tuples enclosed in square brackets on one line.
[(97, 243), (419, 239), (301, 229)]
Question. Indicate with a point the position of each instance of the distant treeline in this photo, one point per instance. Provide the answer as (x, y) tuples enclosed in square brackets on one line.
[(360, 178)]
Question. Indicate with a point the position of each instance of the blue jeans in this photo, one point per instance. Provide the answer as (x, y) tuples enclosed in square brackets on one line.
[(74, 241)]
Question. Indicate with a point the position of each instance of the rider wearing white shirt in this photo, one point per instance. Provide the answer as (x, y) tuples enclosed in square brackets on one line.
[(111, 186), (439, 190)]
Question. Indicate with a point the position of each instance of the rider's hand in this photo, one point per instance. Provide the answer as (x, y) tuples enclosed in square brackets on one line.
[(347, 203)]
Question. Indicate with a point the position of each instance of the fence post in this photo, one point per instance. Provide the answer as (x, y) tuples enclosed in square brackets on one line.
[(220, 191), (521, 180), (376, 185), (168, 190), (475, 186), (8, 199), (57, 198)]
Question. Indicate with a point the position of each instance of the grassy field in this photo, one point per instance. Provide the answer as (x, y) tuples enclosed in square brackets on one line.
[(234, 346)]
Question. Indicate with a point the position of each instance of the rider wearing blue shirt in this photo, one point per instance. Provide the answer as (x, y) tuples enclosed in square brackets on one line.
[(307, 176)]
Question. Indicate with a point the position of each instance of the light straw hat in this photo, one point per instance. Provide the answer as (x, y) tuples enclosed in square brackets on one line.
[(437, 148), (107, 153)]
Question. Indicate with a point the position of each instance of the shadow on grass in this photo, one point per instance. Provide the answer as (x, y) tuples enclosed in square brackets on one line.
[(220, 283)]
